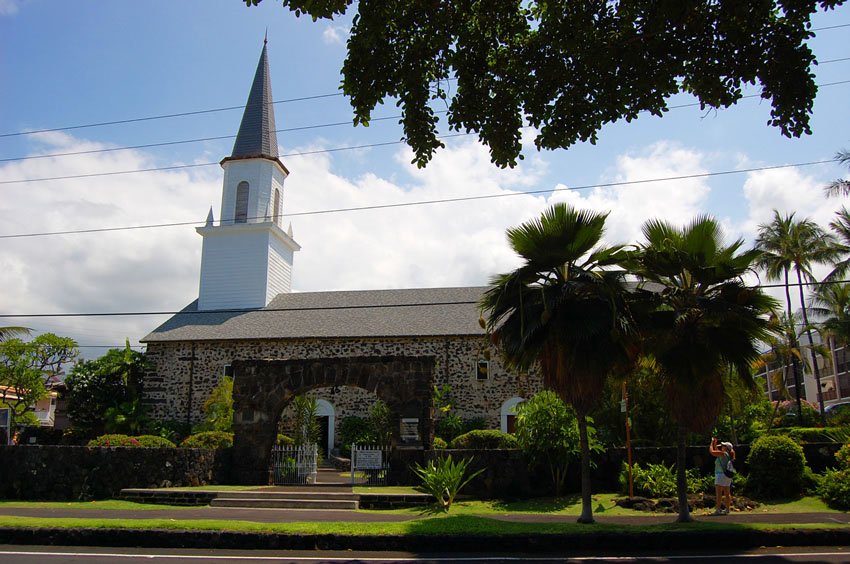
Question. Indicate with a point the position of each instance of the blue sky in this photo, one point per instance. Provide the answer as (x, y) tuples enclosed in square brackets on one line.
[(72, 63)]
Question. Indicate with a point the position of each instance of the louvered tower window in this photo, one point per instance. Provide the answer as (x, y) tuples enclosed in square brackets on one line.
[(276, 207), (241, 215)]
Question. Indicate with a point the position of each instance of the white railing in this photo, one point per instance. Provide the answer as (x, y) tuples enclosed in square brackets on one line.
[(294, 465)]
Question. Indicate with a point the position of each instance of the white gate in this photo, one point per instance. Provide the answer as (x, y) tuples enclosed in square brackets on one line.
[(294, 465), (370, 465)]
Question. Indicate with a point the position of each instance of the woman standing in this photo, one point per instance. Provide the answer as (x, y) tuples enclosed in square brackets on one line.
[(722, 481)]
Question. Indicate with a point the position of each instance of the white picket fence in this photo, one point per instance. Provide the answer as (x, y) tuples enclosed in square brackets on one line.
[(294, 465), (370, 465)]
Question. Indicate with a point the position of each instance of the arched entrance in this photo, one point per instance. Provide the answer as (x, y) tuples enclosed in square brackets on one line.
[(262, 388), (326, 414), (508, 414)]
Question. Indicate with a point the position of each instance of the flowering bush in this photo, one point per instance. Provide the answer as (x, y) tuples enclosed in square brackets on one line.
[(115, 441)]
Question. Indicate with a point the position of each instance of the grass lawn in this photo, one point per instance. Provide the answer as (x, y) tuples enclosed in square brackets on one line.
[(435, 526), (603, 504)]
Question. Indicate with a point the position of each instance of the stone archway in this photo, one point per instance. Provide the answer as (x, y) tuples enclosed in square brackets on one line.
[(261, 389)]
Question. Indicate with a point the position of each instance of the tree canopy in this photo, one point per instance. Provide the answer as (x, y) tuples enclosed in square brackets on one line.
[(568, 68), (28, 368)]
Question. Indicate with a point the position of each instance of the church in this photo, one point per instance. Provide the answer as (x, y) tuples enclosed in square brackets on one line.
[(348, 348)]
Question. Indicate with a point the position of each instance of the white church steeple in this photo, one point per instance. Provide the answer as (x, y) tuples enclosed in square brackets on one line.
[(247, 259)]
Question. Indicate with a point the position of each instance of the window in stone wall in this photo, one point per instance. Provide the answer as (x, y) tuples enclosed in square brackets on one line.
[(228, 370), (483, 369)]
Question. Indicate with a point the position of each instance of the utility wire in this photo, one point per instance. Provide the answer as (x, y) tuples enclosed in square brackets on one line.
[(316, 126), (162, 116), (198, 165), (318, 308), (430, 202), (223, 109), (297, 154), (198, 140)]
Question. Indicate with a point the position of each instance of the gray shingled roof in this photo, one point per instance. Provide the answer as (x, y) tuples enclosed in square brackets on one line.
[(257, 137), (348, 314)]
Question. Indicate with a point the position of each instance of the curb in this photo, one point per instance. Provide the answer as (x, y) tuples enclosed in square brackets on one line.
[(599, 542)]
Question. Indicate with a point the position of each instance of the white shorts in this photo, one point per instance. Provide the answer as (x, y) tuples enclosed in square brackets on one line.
[(722, 480)]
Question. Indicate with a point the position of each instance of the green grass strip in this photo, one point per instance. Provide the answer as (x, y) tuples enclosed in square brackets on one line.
[(434, 526)]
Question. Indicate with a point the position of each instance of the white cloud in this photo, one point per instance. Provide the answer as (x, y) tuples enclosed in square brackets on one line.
[(8, 7), (335, 34), (440, 244), (677, 201), (132, 270)]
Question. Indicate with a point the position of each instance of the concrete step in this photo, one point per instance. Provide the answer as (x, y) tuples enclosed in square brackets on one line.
[(284, 503), (313, 494)]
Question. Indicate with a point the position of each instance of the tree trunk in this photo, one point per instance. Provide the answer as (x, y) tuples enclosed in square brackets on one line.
[(586, 501), (792, 344), (681, 477), (815, 367)]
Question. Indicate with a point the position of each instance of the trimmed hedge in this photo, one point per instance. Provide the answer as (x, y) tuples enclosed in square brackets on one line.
[(777, 468), (115, 440), (208, 440), (484, 439), (153, 441)]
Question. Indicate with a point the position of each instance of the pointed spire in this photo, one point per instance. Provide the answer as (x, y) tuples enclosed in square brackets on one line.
[(210, 219), (257, 137)]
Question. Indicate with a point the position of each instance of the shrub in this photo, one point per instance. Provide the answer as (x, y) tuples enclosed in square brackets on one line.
[(152, 441), (835, 488), (777, 468), (843, 457), (283, 440), (439, 443), (115, 441), (444, 478), (804, 434), (655, 480), (484, 439), (208, 439), (354, 430), (449, 427), (698, 483), (786, 414)]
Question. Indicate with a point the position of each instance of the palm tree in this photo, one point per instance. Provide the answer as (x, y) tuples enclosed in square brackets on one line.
[(831, 303), (705, 320), (839, 187), (840, 226), (562, 310), (11, 332), (785, 352), (786, 244)]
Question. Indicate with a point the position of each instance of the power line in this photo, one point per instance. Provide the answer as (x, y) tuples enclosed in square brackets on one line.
[(317, 308), (198, 165), (297, 154), (431, 202), (226, 108), (185, 141), (316, 126), (161, 116)]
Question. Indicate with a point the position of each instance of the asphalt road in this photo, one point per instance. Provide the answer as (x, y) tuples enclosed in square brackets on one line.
[(89, 555)]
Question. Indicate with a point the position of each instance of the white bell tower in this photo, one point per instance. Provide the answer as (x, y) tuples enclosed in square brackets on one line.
[(247, 258)]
